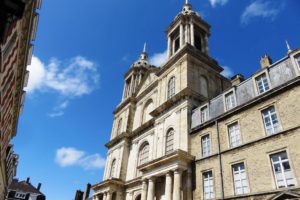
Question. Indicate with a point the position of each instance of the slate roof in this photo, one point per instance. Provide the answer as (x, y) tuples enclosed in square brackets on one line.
[(24, 186)]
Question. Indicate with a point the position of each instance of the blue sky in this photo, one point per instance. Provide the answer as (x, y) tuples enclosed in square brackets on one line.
[(83, 49)]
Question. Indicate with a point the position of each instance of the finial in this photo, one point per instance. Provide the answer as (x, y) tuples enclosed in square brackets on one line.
[(288, 46), (186, 1), (145, 46)]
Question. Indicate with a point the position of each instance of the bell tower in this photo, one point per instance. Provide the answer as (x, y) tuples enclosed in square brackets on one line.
[(136, 73), (188, 28)]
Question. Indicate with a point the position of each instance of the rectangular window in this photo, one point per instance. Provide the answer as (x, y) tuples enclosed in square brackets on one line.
[(208, 185), (282, 170), (262, 83), (240, 179), (204, 114), (234, 134), (205, 140), (230, 100), (270, 120)]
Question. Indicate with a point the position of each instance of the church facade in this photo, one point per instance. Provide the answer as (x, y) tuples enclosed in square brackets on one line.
[(183, 131)]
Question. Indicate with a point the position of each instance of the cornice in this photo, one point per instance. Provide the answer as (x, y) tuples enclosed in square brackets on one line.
[(185, 93), (190, 50)]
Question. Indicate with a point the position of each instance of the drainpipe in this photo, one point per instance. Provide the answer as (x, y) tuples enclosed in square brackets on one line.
[(220, 160)]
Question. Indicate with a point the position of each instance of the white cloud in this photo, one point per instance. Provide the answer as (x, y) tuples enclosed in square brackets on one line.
[(74, 78), (216, 2), (227, 72), (259, 8), (158, 58), (69, 156)]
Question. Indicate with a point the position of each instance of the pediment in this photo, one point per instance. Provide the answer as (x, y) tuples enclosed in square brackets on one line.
[(147, 81), (286, 196)]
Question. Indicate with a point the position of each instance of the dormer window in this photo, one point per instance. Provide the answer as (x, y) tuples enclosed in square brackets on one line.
[(20, 195), (262, 83), (298, 61)]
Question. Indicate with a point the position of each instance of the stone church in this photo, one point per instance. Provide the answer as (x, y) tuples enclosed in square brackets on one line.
[(183, 131)]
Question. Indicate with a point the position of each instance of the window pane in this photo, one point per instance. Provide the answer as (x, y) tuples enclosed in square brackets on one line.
[(169, 141), (282, 170), (262, 83), (270, 120), (208, 188), (205, 146), (240, 179), (171, 87)]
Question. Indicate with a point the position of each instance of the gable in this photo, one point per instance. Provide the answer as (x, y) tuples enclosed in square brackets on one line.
[(148, 80), (285, 196)]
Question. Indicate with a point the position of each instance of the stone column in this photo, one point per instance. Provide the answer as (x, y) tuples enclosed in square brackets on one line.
[(151, 189), (181, 35), (177, 185), (104, 196), (192, 34), (169, 47), (129, 196), (206, 44), (108, 196), (168, 187), (144, 190), (189, 185), (186, 33)]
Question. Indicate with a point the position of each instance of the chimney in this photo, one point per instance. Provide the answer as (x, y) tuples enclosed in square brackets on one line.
[(265, 61), (237, 79), (39, 186), (28, 179), (87, 192)]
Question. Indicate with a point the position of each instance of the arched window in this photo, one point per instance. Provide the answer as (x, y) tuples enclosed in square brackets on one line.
[(203, 86), (119, 128), (112, 168), (138, 197), (170, 141), (147, 109), (171, 87), (144, 153)]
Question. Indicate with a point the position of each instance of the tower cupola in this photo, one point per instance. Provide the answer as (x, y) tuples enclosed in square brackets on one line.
[(135, 74), (143, 60), (187, 8), (188, 28)]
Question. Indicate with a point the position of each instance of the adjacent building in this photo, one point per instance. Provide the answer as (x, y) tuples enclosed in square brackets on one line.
[(17, 32), (24, 190), (182, 131)]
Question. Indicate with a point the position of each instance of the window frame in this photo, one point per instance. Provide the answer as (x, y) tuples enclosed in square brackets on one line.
[(282, 168), (201, 108), (167, 151), (140, 153), (279, 128), (246, 178), (211, 182), (226, 108), (20, 195), (112, 168), (229, 136), (208, 146), (264, 72), (119, 126), (171, 87)]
